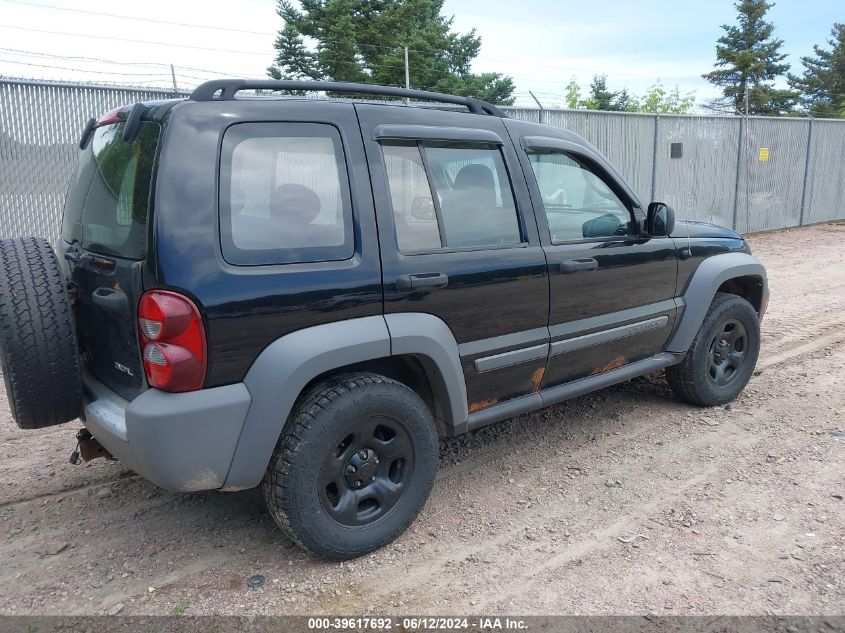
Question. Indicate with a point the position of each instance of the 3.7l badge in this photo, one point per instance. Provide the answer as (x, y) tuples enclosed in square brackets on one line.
[(123, 368)]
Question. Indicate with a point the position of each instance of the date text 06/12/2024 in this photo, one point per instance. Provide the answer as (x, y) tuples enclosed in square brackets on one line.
[(417, 623)]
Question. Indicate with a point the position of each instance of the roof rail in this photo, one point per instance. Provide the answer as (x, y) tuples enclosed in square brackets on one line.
[(228, 87)]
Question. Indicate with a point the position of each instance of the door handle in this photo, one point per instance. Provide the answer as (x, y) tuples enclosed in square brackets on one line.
[(423, 280), (111, 299), (570, 266), (96, 263)]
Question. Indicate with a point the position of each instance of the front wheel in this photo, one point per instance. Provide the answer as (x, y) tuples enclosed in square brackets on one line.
[(354, 466), (722, 356)]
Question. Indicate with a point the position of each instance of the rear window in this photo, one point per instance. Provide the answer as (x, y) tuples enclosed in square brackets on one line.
[(284, 194), (108, 201)]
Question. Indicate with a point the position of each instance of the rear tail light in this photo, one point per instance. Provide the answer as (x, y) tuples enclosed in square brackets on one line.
[(172, 339)]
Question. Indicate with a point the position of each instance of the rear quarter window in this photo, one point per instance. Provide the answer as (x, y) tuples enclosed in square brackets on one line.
[(284, 194)]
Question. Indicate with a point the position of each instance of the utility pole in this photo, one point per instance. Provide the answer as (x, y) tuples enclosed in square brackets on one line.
[(747, 163), (407, 76), (173, 76)]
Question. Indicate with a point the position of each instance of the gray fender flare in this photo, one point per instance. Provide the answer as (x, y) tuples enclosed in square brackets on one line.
[(702, 287), (429, 339), (288, 364)]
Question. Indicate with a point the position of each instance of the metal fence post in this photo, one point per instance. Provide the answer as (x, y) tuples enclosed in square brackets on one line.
[(654, 160), (806, 171), (540, 117), (739, 160)]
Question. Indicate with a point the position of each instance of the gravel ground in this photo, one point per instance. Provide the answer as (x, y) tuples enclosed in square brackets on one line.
[(625, 501)]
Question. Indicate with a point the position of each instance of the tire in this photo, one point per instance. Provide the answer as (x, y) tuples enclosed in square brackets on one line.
[(352, 420), (38, 352), (722, 356)]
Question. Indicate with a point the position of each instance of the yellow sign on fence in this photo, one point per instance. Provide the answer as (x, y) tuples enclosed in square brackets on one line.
[(764, 153)]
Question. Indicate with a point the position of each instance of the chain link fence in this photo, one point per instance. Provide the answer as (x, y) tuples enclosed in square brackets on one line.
[(754, 175)]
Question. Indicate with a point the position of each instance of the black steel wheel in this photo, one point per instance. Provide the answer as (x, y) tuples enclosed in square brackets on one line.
[(353, 467), (365, 474), (727, 352), (722, 356)]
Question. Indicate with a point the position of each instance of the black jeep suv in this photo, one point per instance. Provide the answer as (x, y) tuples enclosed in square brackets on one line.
[(309, 294)]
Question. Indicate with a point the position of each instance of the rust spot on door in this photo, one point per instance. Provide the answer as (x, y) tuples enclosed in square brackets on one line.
[(615, 363), (537, 378), (481, 404)]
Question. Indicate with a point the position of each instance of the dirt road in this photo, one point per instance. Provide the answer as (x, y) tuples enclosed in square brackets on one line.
[(622, 502)]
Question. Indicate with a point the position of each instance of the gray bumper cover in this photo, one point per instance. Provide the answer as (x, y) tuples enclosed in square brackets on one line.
[(179, 441)]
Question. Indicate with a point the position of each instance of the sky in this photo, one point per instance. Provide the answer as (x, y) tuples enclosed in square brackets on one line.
[(542, 44)]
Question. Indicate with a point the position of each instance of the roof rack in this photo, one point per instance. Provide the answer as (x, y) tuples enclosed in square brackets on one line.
[(228, 87)]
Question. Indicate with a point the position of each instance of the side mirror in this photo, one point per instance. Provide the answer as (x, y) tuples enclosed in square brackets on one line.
[(422, 208), (660, 219)]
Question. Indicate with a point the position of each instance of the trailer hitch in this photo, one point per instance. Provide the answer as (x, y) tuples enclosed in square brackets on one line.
[(88, 448)]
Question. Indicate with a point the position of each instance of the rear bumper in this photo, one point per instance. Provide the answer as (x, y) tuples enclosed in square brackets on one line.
[(179, 441)]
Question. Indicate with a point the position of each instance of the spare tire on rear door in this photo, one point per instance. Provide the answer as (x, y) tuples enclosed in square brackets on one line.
[(38, 351)]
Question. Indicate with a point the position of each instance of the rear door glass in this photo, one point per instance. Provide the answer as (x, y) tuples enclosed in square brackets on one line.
[(450, 197), (109, 199)]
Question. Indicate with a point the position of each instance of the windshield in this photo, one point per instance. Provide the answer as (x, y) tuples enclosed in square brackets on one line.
[(108, 200)]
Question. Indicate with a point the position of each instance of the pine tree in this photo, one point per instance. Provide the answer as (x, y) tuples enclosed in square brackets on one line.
[(601, 98), (293, 60), (364, 41), (748, 60), (822, 85)]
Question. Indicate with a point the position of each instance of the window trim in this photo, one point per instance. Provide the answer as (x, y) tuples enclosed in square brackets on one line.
[(585, 161), (432, 191), (235, 256), (392, 132), (420, 144)]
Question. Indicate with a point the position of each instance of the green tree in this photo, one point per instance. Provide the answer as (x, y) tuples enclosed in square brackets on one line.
[(748, 61), (573, 94), (602, 98), (660, 101), (822, 86), (364, 41), (657, 100), (294, 59)]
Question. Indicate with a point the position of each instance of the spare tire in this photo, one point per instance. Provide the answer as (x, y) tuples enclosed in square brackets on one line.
[(38, 351)]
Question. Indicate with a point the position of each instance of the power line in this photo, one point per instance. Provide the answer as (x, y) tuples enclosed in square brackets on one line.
[(154, 43), (137, 19), (553, 67), (92, 83), (126, 39), (162, 82), (416, 72), (16, 51), (82, 70), (199, 26)]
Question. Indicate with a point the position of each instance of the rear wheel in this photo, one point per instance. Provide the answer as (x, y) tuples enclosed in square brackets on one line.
[(38, 351), (722, 356), (354, 466)]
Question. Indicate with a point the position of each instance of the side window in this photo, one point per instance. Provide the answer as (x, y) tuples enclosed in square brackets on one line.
[(284, 194), (450, 196), (410, 194), (579, 204)]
